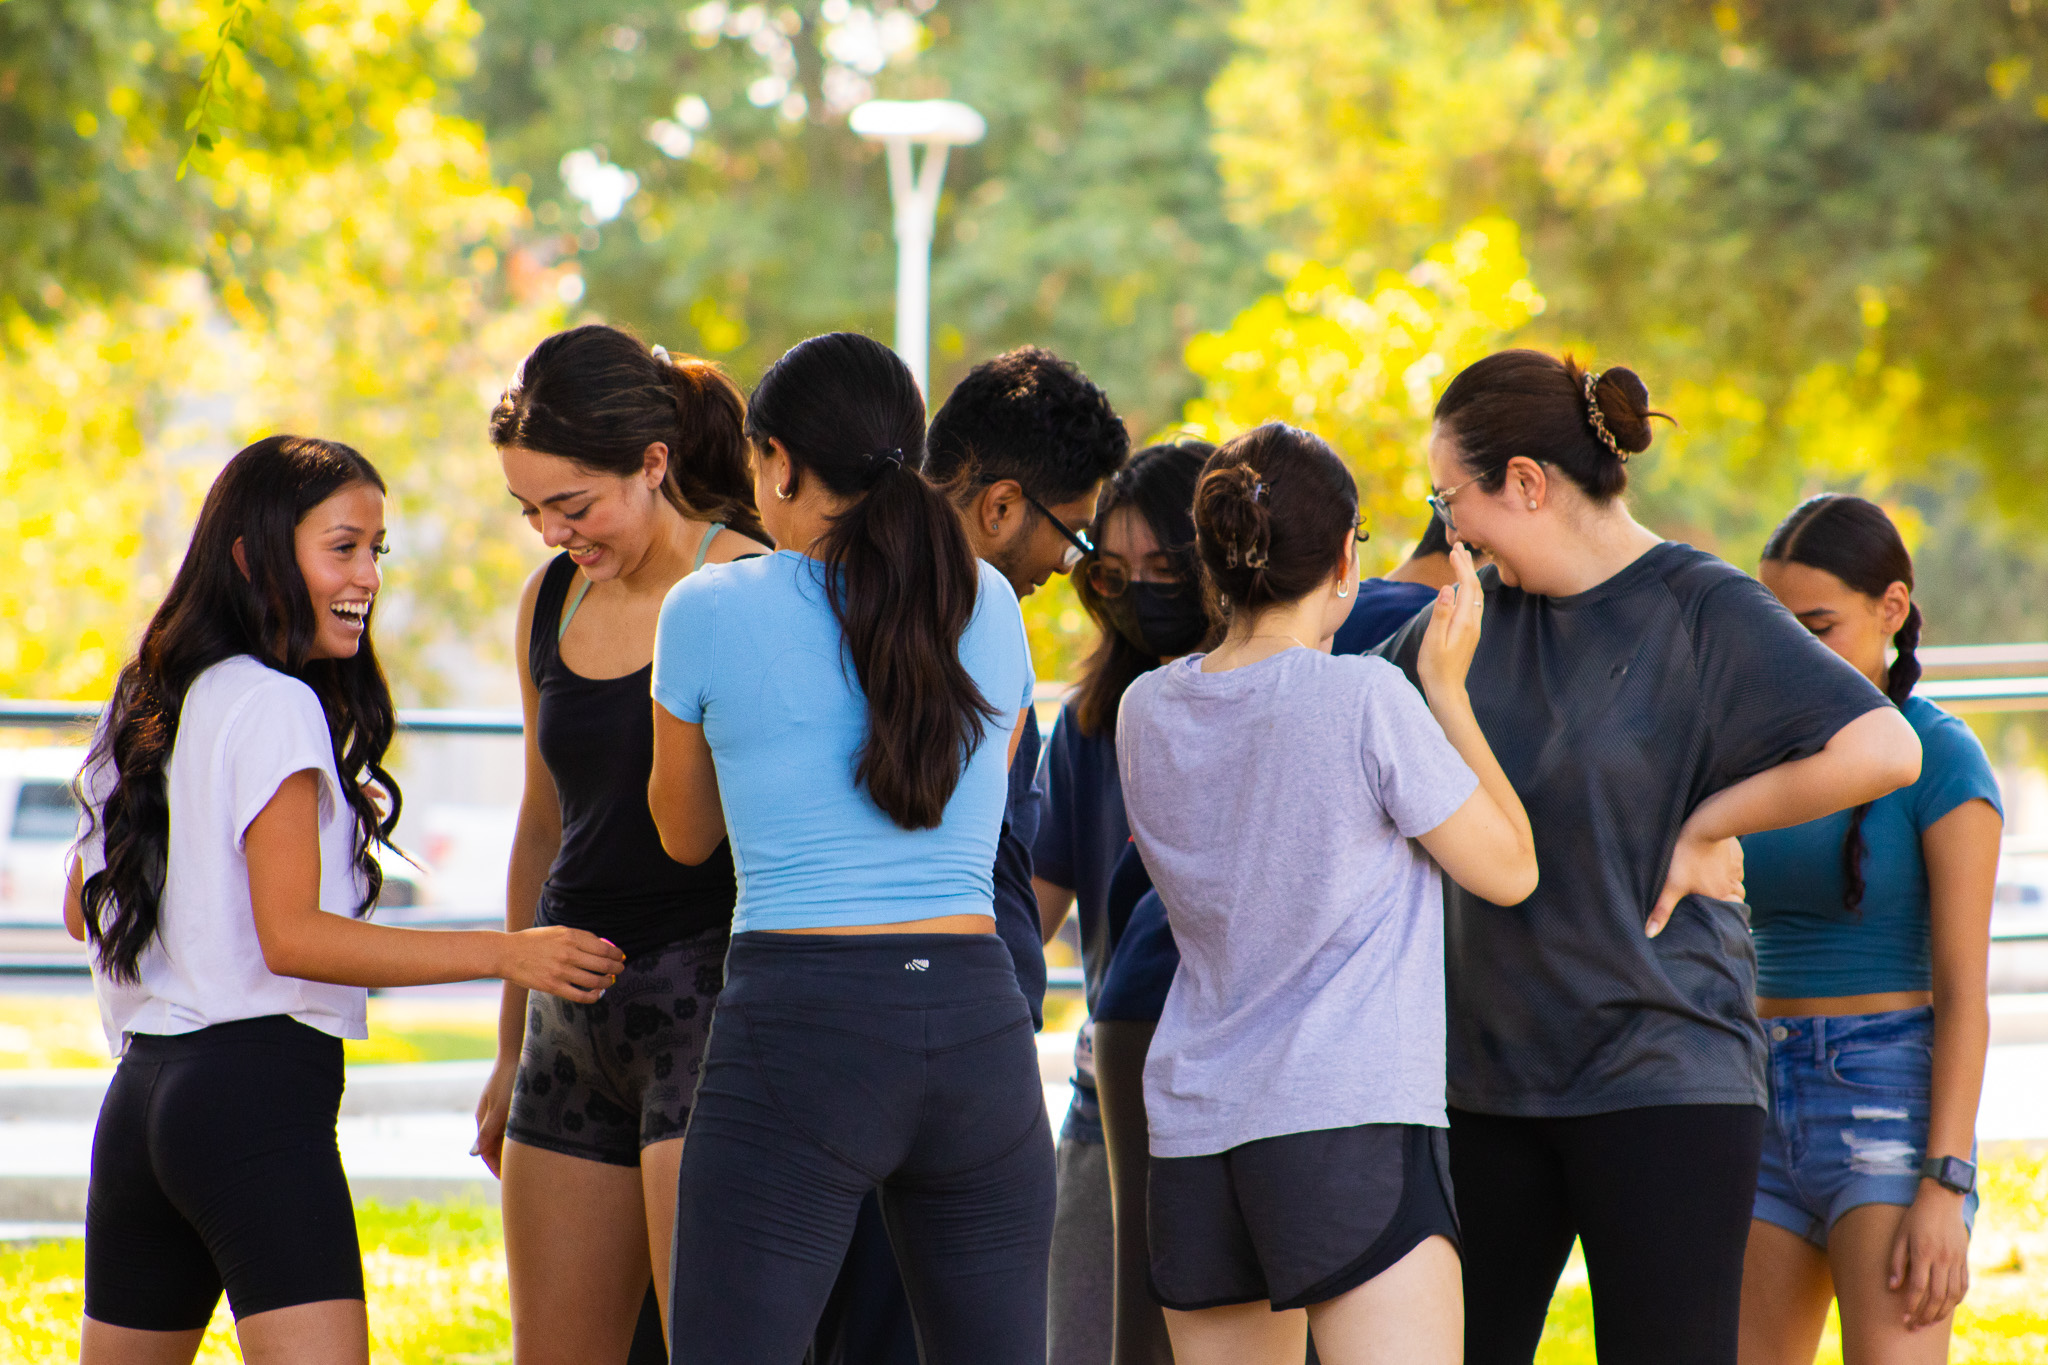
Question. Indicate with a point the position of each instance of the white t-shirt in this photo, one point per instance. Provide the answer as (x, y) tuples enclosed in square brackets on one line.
[(244, 728)]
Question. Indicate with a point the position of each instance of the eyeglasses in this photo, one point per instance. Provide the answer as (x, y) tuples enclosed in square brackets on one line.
[(1440, 503), (1079, 545)]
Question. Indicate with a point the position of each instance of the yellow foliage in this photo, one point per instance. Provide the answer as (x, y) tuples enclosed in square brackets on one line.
[(1362, 368)]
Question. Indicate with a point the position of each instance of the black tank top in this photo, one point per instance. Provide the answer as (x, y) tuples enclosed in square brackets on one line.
[(597, 738)]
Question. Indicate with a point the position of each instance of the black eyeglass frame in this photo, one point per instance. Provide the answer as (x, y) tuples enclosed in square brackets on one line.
[(1079, 544)]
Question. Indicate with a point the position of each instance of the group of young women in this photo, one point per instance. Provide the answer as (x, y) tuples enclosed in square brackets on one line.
[(1408, 968)]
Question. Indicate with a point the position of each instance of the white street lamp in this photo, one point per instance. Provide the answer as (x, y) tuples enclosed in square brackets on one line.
[(936, 125)]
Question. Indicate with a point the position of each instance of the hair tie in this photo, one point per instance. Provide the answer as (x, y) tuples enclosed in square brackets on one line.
[(660, 353), (1598, 420), (894, 455)]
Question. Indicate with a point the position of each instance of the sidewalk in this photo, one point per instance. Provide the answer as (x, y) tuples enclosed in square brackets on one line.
[(405, 1130)]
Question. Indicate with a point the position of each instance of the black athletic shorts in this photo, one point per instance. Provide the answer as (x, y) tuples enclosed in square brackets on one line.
[(601, 1081), (1297, 1219), (214, 1165)]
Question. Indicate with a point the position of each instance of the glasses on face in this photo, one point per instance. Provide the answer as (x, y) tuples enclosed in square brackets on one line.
[(1079, 543), (1440, 503)]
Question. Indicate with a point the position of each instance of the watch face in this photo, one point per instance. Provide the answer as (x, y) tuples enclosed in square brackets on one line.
[(1951, 1173)]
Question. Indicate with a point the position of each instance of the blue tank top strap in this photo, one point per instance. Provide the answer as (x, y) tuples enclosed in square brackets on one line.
[(575, 601), (704, 545)]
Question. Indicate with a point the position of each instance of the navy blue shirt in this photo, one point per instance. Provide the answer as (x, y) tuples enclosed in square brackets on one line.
[(1015, 902), (1383, 607)]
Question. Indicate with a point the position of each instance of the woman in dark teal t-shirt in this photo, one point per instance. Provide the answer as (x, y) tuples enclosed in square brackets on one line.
[(1872, 931)]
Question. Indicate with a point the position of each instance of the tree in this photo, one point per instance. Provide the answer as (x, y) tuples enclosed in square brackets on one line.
[(1814, 228)]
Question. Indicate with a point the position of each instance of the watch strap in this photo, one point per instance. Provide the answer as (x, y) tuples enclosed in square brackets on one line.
[(1950, 1172)]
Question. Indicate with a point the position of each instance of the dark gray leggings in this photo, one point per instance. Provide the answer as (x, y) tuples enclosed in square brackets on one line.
[(837, 1065)]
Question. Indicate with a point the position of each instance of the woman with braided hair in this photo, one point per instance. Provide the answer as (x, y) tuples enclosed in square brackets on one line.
[(1873, 930), (1651, 703), (1292, 807)]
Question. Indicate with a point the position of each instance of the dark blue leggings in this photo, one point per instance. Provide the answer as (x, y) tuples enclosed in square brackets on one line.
[(839, 1065)]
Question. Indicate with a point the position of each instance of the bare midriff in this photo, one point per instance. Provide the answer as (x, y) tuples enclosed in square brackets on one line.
[(940, 924), (1835, 1005)]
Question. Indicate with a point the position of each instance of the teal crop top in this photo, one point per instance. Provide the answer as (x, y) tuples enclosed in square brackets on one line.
[(752, 652), (1808, 945)]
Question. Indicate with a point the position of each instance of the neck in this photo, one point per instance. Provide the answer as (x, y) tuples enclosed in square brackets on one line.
[(657, 568), (1261, 635), (1595, 547)]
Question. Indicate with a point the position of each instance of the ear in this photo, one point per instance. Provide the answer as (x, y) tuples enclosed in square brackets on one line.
[(1528, 482), (1894, 606), (654, 464), (998, 502), (241, 556)]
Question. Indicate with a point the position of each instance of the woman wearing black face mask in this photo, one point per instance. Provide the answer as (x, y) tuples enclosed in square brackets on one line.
[(1141, 591)]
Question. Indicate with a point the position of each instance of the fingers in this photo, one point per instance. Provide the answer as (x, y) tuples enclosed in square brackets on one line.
[(1660, 914), (1919, 1292)]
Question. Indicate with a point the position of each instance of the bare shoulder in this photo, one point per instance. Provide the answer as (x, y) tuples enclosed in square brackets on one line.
[(729, 545)]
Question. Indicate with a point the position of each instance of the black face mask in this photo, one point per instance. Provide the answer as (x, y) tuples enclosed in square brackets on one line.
[(1165, 619)]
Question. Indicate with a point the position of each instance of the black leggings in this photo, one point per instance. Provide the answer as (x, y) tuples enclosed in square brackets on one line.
[(1660, 1199), (838, 1065), (214, 1165)]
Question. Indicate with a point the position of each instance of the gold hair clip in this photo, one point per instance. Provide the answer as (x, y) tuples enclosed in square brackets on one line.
[(1599, 420)]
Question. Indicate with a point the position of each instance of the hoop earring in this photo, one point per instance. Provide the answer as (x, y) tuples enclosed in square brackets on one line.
[(786, 495), (1343, 592)]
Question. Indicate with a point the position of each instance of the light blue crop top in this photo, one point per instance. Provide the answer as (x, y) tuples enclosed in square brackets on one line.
[(1807, 943), (752, 651)]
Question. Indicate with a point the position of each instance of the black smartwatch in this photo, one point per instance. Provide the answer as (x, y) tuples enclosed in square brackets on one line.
[(1950, 1172)]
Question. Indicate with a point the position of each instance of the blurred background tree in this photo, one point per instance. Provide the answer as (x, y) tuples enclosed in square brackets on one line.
[(1814, 228)]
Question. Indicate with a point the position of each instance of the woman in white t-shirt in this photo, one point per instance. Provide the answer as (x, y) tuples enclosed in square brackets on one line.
[(233, 796), (1288, 804)]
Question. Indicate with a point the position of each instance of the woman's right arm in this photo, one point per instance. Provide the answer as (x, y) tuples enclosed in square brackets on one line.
[(1486, 845), (536, 839)]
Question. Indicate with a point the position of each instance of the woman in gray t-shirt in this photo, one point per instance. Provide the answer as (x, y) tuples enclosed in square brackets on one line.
[(1650, 703), (1287, 804)]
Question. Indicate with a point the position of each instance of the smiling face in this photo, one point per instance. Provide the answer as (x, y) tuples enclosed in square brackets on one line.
[(605, 521), (1855, 625), (1499, 523), (337, 545)]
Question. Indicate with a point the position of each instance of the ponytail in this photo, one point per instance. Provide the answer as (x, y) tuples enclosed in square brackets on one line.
[(595, 395), (1852, 539), (899, 573)]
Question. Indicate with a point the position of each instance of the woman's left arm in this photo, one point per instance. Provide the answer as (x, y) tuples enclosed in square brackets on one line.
[(1874, 754), (682, 791), (1930, 1255)]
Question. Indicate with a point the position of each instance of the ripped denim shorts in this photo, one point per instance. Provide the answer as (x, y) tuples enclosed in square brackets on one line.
[(1848, 1117)]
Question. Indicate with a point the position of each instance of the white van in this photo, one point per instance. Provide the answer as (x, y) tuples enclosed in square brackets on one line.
[(38, 825)]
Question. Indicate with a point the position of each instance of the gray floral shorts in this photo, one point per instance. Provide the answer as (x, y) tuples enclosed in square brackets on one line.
[(603, 1080)]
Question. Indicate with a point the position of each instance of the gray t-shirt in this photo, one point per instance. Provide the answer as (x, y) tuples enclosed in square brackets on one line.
[(1274, 806), (1615, 713)]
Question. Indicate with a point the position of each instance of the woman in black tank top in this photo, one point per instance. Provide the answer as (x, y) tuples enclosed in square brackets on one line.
[(633, 463)]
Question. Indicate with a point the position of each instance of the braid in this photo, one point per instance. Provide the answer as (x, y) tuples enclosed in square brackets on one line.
[(1905, 669), (1852, 863)]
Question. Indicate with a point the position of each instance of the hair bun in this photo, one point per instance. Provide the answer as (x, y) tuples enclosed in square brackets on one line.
[(1624, 402), (1231, 506)]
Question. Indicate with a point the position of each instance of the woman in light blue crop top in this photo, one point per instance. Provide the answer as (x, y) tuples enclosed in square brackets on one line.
[(845, 710), (1872, 932)]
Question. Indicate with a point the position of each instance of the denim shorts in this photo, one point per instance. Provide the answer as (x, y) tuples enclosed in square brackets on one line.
[(1848, 1117)]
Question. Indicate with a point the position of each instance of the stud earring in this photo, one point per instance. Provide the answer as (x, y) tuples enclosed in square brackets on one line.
[(1532, 504)]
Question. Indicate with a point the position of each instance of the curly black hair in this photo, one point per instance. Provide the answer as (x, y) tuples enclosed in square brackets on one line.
[(1030, 416)]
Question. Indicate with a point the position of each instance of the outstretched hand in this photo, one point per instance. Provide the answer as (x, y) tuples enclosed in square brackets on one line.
[(1453, 634)]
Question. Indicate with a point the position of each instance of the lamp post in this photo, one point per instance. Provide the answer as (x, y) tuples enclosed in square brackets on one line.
[(937, 126)]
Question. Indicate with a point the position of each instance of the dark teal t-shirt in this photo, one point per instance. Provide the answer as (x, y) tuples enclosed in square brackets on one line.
[(1808, 944)]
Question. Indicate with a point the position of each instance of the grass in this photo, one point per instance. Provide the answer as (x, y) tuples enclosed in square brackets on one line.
[(435, 1273), (64, 1031)]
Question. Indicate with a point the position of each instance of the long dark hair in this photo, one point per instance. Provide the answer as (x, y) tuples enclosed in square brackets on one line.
[(1853, 539), (215, 611), (1158, 485), (899, 572), (1273, 513), (1527, 403), (597, 396)]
